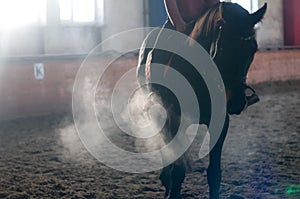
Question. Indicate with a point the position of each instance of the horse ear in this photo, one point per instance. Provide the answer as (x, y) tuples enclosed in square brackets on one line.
[(258, 15)]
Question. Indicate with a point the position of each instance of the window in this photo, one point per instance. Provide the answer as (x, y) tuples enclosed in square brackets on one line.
[(250, 5), (17, 13), (81, 11)]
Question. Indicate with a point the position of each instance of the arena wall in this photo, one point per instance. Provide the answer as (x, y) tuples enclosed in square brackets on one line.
[(22, 95)]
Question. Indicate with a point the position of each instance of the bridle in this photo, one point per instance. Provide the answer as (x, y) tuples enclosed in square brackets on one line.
[(215, 49)]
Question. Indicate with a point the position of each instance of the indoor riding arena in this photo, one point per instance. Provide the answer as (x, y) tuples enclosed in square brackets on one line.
[(61, 60)]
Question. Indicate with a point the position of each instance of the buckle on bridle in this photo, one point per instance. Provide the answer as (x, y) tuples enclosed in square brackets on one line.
[(253, 98)]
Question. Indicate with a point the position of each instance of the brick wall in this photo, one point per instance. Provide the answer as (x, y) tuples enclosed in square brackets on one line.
[(21, 95), (278, 65)]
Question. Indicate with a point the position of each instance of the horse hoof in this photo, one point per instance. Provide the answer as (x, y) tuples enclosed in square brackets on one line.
[(173, 196), (167, 194)]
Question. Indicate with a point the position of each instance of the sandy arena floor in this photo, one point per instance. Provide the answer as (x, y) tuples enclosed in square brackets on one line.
[(42, 157)]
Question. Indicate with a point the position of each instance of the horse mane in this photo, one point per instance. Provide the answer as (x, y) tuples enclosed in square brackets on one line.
[(208, 22)]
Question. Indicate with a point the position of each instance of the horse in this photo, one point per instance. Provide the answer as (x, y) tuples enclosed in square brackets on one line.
[(227, 32)]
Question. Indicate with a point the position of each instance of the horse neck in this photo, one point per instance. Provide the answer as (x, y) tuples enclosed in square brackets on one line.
[(205, 29)]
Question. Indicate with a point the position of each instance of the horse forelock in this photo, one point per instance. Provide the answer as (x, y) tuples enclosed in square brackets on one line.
[(209, 22)]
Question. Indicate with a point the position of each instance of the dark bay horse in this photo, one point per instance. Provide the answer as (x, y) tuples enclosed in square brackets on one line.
[(226, 32)]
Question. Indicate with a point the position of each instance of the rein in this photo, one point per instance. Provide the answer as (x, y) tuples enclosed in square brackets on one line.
[(214, 45)]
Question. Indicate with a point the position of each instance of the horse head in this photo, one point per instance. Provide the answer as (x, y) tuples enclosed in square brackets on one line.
[(227, 32)]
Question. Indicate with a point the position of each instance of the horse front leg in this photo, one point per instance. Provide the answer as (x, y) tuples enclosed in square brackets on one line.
[(172, 176), (214, 168)]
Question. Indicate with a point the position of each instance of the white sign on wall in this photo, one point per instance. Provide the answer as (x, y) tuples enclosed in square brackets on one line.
[(39, 72)]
